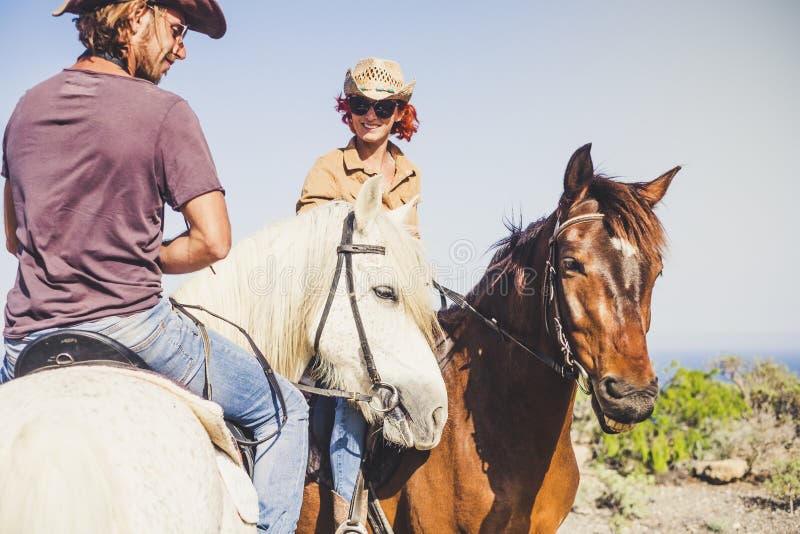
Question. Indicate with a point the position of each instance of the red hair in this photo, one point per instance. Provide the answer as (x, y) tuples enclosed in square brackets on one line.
[(404, 128)]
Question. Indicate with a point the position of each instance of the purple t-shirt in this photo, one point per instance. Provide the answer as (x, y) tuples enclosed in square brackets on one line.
[(91, 159)]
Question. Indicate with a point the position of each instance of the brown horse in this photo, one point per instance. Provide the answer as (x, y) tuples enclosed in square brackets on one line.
[(575, 289)]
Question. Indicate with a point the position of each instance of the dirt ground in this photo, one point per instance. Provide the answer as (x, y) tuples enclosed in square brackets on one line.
[(678, 505)]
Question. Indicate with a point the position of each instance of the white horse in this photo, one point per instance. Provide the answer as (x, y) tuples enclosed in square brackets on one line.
[(275, 284), (97, 450)]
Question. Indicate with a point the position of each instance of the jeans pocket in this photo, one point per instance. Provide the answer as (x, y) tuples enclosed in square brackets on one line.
[(150, 339), (173, 349)]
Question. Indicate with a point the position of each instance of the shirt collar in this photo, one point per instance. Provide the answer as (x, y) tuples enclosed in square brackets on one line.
[(353, 162)]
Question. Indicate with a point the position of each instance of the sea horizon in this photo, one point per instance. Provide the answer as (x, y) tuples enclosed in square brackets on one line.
[(701, 358)]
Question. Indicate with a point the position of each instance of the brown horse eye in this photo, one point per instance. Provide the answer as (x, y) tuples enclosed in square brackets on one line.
[(571, 264)]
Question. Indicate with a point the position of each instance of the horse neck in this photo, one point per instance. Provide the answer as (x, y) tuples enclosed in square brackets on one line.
[(517, 378)]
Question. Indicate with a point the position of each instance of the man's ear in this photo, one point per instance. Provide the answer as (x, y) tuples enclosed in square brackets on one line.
[(136, 16)]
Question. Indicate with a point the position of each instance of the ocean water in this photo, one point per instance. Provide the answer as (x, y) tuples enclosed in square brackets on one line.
[(701, 359)]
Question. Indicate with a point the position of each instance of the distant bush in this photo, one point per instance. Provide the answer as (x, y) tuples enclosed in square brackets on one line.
[(784, 483), (626, 496), (765, 385)]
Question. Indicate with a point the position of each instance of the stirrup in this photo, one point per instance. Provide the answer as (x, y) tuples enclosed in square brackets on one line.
[(352, 527)]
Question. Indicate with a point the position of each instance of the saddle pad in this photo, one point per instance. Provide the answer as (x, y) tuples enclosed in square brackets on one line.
[(240, 488), (207, 412)]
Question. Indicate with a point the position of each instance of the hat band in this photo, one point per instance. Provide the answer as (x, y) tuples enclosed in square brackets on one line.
[(365, 88)]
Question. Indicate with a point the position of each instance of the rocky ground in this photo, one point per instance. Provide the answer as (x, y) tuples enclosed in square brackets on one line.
[(674, 504)]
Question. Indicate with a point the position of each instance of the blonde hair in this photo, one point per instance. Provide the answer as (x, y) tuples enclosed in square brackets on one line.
[(107, 30)]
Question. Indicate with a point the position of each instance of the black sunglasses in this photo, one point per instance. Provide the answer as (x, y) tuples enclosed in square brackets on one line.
[(383, 108)]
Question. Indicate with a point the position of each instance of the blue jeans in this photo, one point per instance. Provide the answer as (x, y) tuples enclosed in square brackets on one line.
[(171, 344), (346, 447)]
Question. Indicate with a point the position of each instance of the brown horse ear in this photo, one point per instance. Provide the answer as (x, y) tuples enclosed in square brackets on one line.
[(579, 174), (653, 192)]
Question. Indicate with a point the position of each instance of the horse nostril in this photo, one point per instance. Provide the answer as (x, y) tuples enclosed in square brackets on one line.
[(439, 417), (613, 388)]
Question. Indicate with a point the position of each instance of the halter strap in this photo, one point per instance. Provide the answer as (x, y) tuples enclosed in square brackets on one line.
[(385, 393), (551, 295), (561, 227)]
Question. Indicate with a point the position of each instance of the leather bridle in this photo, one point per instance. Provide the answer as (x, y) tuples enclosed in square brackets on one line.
[(553, 293), (566, 367), (384, 392)]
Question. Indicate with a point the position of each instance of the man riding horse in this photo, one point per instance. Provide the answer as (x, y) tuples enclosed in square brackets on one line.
[(90, 157)]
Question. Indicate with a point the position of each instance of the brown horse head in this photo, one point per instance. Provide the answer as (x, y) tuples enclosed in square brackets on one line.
[(605, 271)]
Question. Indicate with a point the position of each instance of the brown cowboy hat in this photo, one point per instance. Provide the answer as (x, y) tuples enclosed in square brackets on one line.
[(204, 16)]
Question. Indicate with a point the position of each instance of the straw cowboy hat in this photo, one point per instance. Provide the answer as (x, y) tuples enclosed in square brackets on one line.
[(204, 16), (378, 79)]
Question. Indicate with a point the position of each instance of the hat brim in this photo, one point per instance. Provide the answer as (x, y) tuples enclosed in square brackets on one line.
[(352, 88), (204, 16)]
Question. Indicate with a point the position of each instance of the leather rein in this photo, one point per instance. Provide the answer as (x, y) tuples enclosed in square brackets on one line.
[(567, 367)]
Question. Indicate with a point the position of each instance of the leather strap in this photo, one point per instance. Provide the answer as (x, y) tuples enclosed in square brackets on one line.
[(548, 360), (257, 354)]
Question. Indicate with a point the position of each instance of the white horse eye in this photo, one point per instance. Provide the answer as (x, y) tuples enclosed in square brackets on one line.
[(385, 292)]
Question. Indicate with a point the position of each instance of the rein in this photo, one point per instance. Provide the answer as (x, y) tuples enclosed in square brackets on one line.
[(570, 368)]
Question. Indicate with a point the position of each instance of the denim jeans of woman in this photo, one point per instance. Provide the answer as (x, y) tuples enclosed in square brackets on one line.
[(171, 344), (346, 447)]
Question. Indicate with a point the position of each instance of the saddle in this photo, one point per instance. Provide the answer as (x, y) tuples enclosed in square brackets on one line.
[(69, 347)]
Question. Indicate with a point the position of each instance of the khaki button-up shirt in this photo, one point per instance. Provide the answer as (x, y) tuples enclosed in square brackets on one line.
[(339, 174)]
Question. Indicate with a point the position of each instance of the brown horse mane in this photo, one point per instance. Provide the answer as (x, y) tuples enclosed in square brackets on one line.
[(628, 215)]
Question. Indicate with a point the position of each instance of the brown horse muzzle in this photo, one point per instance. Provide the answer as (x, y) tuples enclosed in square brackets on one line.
[(622, 402)]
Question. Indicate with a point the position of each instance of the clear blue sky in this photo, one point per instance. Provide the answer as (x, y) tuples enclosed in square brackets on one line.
[(506, 91)]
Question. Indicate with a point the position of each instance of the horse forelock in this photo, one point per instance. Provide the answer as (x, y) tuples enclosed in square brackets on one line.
[(629, 216)]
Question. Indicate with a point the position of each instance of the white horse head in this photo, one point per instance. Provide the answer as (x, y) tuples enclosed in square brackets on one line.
[(275, 285)]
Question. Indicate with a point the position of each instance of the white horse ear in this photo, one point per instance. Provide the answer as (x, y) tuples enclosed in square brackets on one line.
[(369, 201), (403, 215)]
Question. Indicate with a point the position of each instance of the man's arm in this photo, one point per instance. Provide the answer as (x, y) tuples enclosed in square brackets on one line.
[(207, 241), (12, 243)]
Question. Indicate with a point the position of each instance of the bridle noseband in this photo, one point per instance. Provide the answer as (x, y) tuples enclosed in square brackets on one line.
[(551, 296), (390, 397)]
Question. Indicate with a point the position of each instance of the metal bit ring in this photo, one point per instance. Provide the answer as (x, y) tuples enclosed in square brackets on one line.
[(393, 400)]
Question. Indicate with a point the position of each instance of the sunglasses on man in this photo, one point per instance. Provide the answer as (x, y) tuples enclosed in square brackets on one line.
[(384, 109), (178, 30)]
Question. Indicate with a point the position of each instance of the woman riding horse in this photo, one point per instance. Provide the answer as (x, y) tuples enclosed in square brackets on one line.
[(375, 106)]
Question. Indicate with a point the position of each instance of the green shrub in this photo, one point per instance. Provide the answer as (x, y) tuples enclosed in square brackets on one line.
[(772, 387), (626, 496), (784, 483)]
